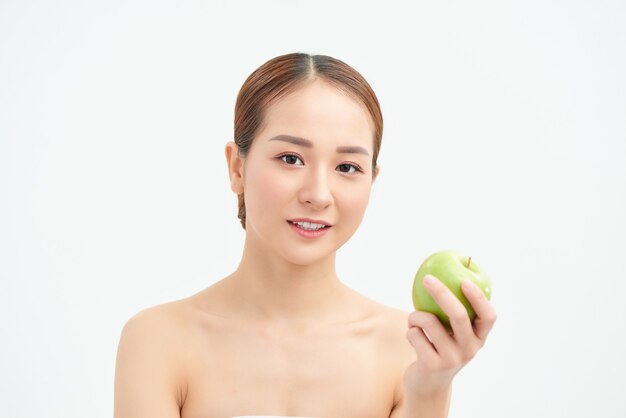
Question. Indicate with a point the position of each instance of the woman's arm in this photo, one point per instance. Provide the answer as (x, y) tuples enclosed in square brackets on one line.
[(435, 404), (146, 383)]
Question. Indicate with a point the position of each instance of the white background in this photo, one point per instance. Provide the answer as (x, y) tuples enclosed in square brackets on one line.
[(505, 138)]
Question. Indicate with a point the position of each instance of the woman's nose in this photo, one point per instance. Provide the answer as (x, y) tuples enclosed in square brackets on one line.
[(316, 191)]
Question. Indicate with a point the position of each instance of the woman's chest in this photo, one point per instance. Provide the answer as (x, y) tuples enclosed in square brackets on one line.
[(322, 375)]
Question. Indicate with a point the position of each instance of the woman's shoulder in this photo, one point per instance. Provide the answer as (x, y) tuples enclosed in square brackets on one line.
[(390, 323), (164, 319), (166, 311), (149, 359), (389, 317), (394, 350), (394, 333)]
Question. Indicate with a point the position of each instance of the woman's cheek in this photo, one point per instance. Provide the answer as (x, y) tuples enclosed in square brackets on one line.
[(270, 185), (276, 184), (355, 200)]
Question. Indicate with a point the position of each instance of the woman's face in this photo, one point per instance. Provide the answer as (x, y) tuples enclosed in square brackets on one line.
[(312, 160)]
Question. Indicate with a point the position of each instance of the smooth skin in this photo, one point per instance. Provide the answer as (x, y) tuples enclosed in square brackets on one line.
[(282, 335)]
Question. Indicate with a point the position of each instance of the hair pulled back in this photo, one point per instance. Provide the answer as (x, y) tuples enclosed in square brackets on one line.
[(285, 74)]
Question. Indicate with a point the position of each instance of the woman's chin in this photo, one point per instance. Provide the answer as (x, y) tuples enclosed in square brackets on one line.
[(308, 258)]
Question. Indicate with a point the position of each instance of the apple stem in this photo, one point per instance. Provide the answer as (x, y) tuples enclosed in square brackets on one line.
[(469, 261)]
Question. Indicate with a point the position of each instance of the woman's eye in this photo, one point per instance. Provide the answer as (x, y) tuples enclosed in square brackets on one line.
[(290, 159), (345, 168)]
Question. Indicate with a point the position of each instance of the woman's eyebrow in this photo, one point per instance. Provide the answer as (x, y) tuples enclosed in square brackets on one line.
[(308, 144)]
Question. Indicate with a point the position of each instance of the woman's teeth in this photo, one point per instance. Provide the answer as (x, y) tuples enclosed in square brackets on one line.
[(309, 226)]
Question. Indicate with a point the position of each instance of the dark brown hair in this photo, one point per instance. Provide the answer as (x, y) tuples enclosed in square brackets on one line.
[(285, 74)]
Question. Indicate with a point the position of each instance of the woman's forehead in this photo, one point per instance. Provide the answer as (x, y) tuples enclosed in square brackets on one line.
[(319, 112)]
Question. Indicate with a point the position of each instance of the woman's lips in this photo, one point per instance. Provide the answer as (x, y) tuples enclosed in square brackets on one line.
[(308, 233)]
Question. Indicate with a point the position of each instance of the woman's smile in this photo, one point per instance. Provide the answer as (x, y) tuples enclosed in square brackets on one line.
[(309, 229)]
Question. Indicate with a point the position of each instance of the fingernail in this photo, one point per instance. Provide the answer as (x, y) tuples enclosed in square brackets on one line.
[(428, 280)]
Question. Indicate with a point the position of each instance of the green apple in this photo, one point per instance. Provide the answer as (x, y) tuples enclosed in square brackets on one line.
[(451, 268)]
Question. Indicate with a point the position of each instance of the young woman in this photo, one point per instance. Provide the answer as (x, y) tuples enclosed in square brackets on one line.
[(282, 335)]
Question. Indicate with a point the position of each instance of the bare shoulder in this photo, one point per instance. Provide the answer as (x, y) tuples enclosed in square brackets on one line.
[(160, 326), (149, 373), (394, 341), (161, 330), (395, 348), (159, 319)]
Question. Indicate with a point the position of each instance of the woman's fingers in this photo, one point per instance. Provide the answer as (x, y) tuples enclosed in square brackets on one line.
[(452, 306), (485, 312), (423, 347), (442, 342)]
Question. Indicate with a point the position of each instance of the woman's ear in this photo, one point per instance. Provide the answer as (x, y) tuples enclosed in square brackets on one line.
[(235, 167), (376, 172)]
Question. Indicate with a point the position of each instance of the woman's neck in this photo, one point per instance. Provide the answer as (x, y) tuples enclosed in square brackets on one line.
[(269, 288)]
